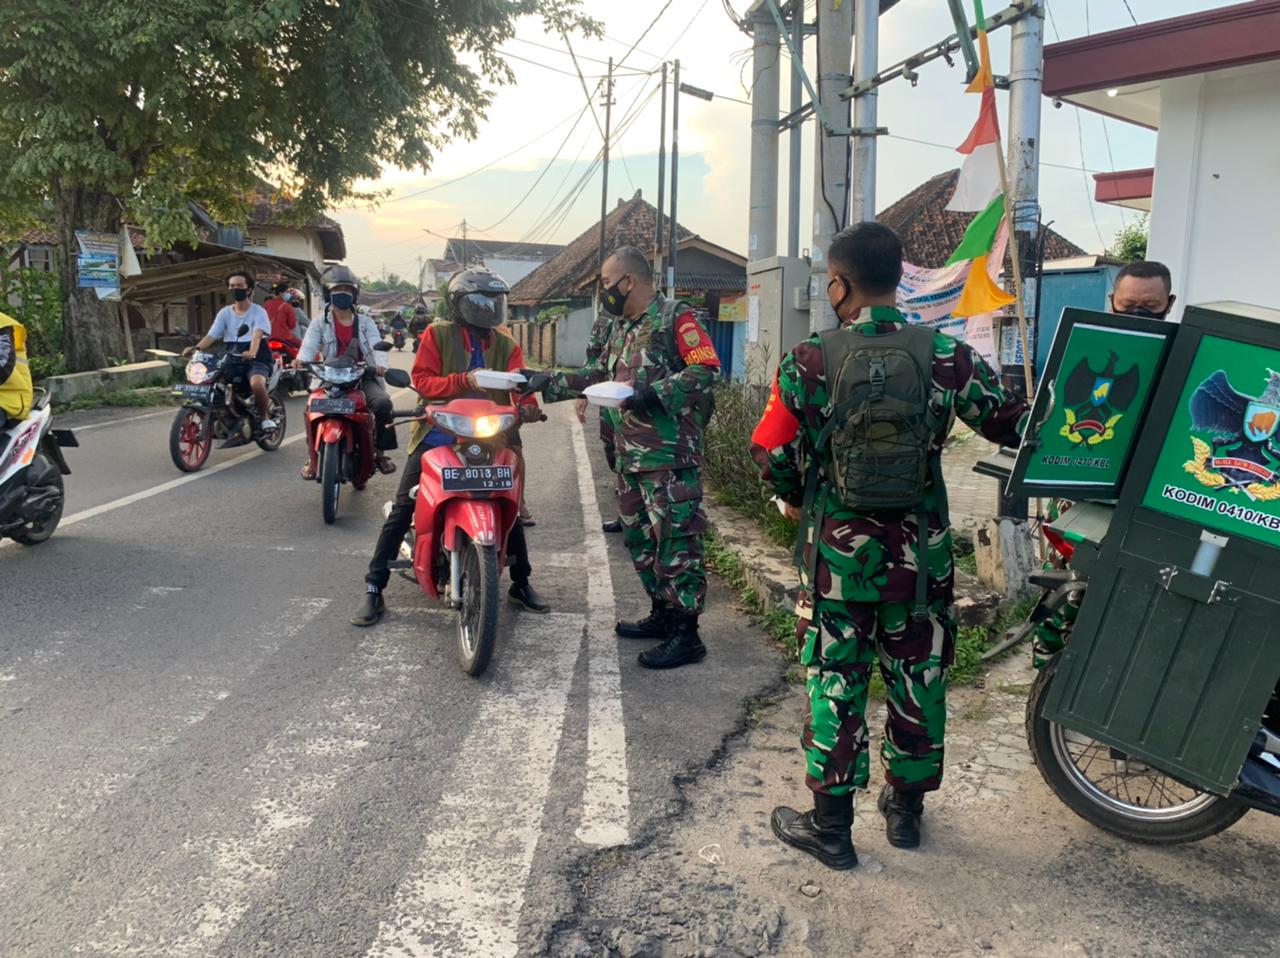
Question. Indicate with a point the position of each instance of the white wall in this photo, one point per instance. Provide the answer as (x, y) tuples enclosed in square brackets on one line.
[(294, 244), (1215, 218)]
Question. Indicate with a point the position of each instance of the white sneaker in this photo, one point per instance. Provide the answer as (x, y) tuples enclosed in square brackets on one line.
[(268, 425)]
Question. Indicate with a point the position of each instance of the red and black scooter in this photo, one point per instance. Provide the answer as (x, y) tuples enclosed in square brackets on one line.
[(340, 429), (467, 502)]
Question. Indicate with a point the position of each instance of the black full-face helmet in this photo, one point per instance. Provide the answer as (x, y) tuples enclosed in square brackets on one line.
[(478, 298)]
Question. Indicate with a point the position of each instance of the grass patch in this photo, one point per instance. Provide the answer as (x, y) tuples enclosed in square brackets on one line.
[(967, 562), (777, 623), (147, 396)]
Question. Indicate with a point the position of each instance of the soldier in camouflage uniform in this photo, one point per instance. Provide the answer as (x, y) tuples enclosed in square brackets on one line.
[(660, 349), (857, 611)]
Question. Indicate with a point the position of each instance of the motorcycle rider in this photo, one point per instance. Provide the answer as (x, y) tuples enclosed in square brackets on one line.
[(16, 392), (445, 369), (255, 350), (333, 334), (283, 322), (418, 325)]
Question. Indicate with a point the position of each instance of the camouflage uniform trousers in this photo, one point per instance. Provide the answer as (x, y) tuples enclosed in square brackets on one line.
[(1050, 636), (838, 647), (663, 524)]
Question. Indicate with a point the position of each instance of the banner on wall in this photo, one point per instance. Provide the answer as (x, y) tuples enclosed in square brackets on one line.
[(927, 296)]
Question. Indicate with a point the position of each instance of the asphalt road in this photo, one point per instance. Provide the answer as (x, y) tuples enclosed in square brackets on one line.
[(199, 755)]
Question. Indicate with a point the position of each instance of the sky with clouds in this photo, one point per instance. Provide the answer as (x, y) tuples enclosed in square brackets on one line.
[(530, 174)]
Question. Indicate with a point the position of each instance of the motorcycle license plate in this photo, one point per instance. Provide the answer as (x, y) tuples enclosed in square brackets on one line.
[(333, 406), (193, 391), (477, 478)]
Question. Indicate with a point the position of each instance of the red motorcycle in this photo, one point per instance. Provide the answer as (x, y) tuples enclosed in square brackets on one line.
[(340, 429), (283, 353), (467, 502)]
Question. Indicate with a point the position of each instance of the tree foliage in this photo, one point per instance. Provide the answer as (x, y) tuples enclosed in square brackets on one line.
[(1131, 241), (116, 110), (394, 283)]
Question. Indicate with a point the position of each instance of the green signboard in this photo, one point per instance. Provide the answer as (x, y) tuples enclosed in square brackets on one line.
[(1220, 463), (1091, 404)]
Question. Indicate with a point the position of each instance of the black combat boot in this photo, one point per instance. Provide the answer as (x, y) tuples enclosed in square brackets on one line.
[(371, 608), (612, 526), (901, 811), (825, 832), (682, 646), (654, 626)]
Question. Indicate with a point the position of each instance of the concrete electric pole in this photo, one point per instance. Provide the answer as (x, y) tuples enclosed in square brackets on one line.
[(766, 57), (794, 136), (866, 61), (1026, 75), (604, 182), (831, 155)]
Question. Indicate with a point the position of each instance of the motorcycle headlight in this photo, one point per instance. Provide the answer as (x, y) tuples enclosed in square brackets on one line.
[(481, 427), (341, 374), (197, 372)]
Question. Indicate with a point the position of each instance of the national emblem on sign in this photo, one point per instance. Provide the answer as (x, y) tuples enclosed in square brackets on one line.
[(1097, 401), (1242, 454)]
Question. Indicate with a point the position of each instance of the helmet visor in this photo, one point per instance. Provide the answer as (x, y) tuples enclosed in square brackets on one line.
[(486, 310)]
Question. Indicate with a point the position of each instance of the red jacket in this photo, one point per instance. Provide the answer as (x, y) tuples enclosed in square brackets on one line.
[(283, 320), (432, 383)]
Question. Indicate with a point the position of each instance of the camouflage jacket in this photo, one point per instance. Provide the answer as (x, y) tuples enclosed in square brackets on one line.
[(598, 338), (871, 557), (664, 347)]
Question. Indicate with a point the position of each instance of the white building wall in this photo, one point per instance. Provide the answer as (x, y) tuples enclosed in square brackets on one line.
[(294, 244), (1215, 217)]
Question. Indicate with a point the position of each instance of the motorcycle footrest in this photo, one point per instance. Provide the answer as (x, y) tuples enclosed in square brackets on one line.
[(399, 564)]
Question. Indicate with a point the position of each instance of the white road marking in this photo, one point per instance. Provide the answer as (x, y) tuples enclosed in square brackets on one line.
[(606, 796), (466, 891), (180, 481), (119, 422)]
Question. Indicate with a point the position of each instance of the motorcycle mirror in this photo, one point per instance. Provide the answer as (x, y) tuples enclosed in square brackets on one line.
[(397, 377), (382, 347), (244, 328), (537, 382)]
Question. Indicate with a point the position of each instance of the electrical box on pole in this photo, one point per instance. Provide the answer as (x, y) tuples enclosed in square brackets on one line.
[(777, 312)]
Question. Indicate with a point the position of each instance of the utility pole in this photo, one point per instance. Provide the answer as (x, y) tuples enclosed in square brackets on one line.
[(662, 183), (797, 129), (831, 155), (762, 232), (604, 184), (866, 62), (675, 178), (463, 264), (1026, 75)]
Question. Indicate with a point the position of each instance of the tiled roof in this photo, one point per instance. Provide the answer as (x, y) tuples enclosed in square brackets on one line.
[(930, 233), (630, 223)]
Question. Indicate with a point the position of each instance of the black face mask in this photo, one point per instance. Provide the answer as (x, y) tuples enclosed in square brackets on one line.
[(613, 300), (240, 294), (1144, 312)]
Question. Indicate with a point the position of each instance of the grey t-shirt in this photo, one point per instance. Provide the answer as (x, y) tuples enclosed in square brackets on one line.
[(227, 323)]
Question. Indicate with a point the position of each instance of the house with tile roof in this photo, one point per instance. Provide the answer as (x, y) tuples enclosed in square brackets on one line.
[(706, 273)]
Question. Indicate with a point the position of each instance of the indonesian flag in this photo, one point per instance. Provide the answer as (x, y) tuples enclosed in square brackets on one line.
[(980, 175)]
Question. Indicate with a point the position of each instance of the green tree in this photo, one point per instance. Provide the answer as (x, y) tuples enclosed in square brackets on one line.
[(119, 110), (1131, 242), (394, 283), (442, 304)]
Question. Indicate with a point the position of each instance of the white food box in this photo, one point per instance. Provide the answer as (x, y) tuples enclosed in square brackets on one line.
[(494, 379), (608, 394)]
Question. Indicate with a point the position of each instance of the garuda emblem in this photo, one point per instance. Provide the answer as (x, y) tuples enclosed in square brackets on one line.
[(1242, 454), (1096, 401)]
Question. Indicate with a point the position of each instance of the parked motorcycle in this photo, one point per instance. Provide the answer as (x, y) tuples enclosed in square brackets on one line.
[(1102, 784), (467, 502), (31, 469), (340, 429), (398, 338), (217, 404)]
